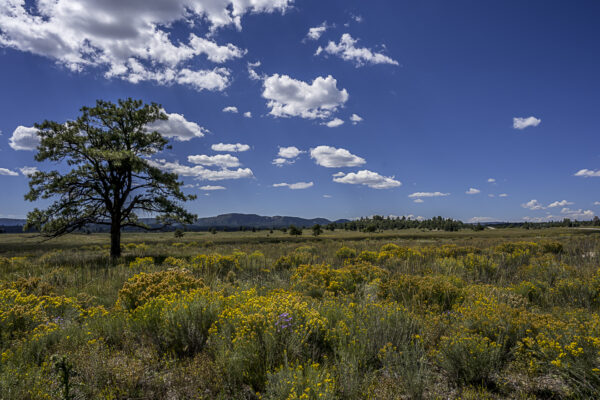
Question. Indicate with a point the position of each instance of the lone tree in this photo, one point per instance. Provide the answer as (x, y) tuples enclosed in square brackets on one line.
[(317, 230), (110, 179)]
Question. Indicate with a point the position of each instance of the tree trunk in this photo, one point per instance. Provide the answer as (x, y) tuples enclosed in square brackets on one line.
[(115, 239)]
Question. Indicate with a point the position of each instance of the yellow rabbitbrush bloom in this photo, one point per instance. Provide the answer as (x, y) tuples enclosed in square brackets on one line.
[(144, 286), (308, 381), (319, 280), (21, 313), (253, 332)]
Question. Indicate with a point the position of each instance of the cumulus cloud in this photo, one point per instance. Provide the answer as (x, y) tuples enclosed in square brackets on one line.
[(597, 203), (288, 97), (355, 119), (8, 172), (588, 173), (475, 220), (24, 138), (252, 73), (561, 203), (316, 32), (522, 123), (327, 196), (473, 191), (503, 195), (200, 172), (331, 157), (220, 160), (418, 201), (295, 186), (28, 171), (289, 152), (130, 39), (533, 205), (347, 50), (577, 214), (230, 147), (334, 123), (231, 109), (212, 187), (367, 178), (287, 155), (491, 180), (178, 127), (428, 194), (248, 114)]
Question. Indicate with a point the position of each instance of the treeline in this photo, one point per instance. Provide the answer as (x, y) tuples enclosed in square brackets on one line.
[(379, 223)]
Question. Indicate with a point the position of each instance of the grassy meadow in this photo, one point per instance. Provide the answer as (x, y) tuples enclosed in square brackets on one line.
[(501, 313)]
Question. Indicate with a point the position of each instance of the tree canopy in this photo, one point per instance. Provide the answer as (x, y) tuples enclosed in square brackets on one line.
[(109, 180)]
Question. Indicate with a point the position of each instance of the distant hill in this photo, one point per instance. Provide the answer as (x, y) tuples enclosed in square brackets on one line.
[(224, 221), (12, 222), (256, 221)]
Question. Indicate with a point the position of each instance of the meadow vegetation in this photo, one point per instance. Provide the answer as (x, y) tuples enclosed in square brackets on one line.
[(505, 313)]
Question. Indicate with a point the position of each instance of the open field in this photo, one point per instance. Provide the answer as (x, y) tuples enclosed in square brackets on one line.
[(504, 313)]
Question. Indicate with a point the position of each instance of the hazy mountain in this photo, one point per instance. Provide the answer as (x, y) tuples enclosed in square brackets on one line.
[(232, 220)]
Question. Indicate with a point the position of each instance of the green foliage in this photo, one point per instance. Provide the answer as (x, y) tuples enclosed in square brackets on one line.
[(469, 358), (143, 287), (294, 231), (473, 315), (107, 147)]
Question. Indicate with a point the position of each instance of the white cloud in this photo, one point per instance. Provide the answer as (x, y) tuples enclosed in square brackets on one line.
[(287, 155), (577, 214), (522, 123), (473, 191), (288, 97), (491, 180), (367, 178), (503, 195), (24, 138), (561, 203), (248, 114), (316, 32), (533, 205), (289, 152), (200, 172), (230, 109), (177, 127), (327, 196), (334, 123), (428, 194), (215, 79), (252, 73), (330, 157), (355, 119), (280, 162), (418, 200), (588, 173), (28, 171), (597, 203), (8, 172), (295, 186), (219, 160), (212, 187), (130, 40), (347, 50), (230, 147), (491, 195), (475, 220)]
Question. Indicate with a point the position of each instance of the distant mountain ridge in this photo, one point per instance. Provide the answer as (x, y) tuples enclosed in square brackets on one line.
[(231, 220)]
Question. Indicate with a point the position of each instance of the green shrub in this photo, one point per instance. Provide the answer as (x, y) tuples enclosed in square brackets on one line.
[(143, 287)]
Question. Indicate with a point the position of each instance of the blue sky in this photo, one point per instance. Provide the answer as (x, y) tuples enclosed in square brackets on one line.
[(437, 99)]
